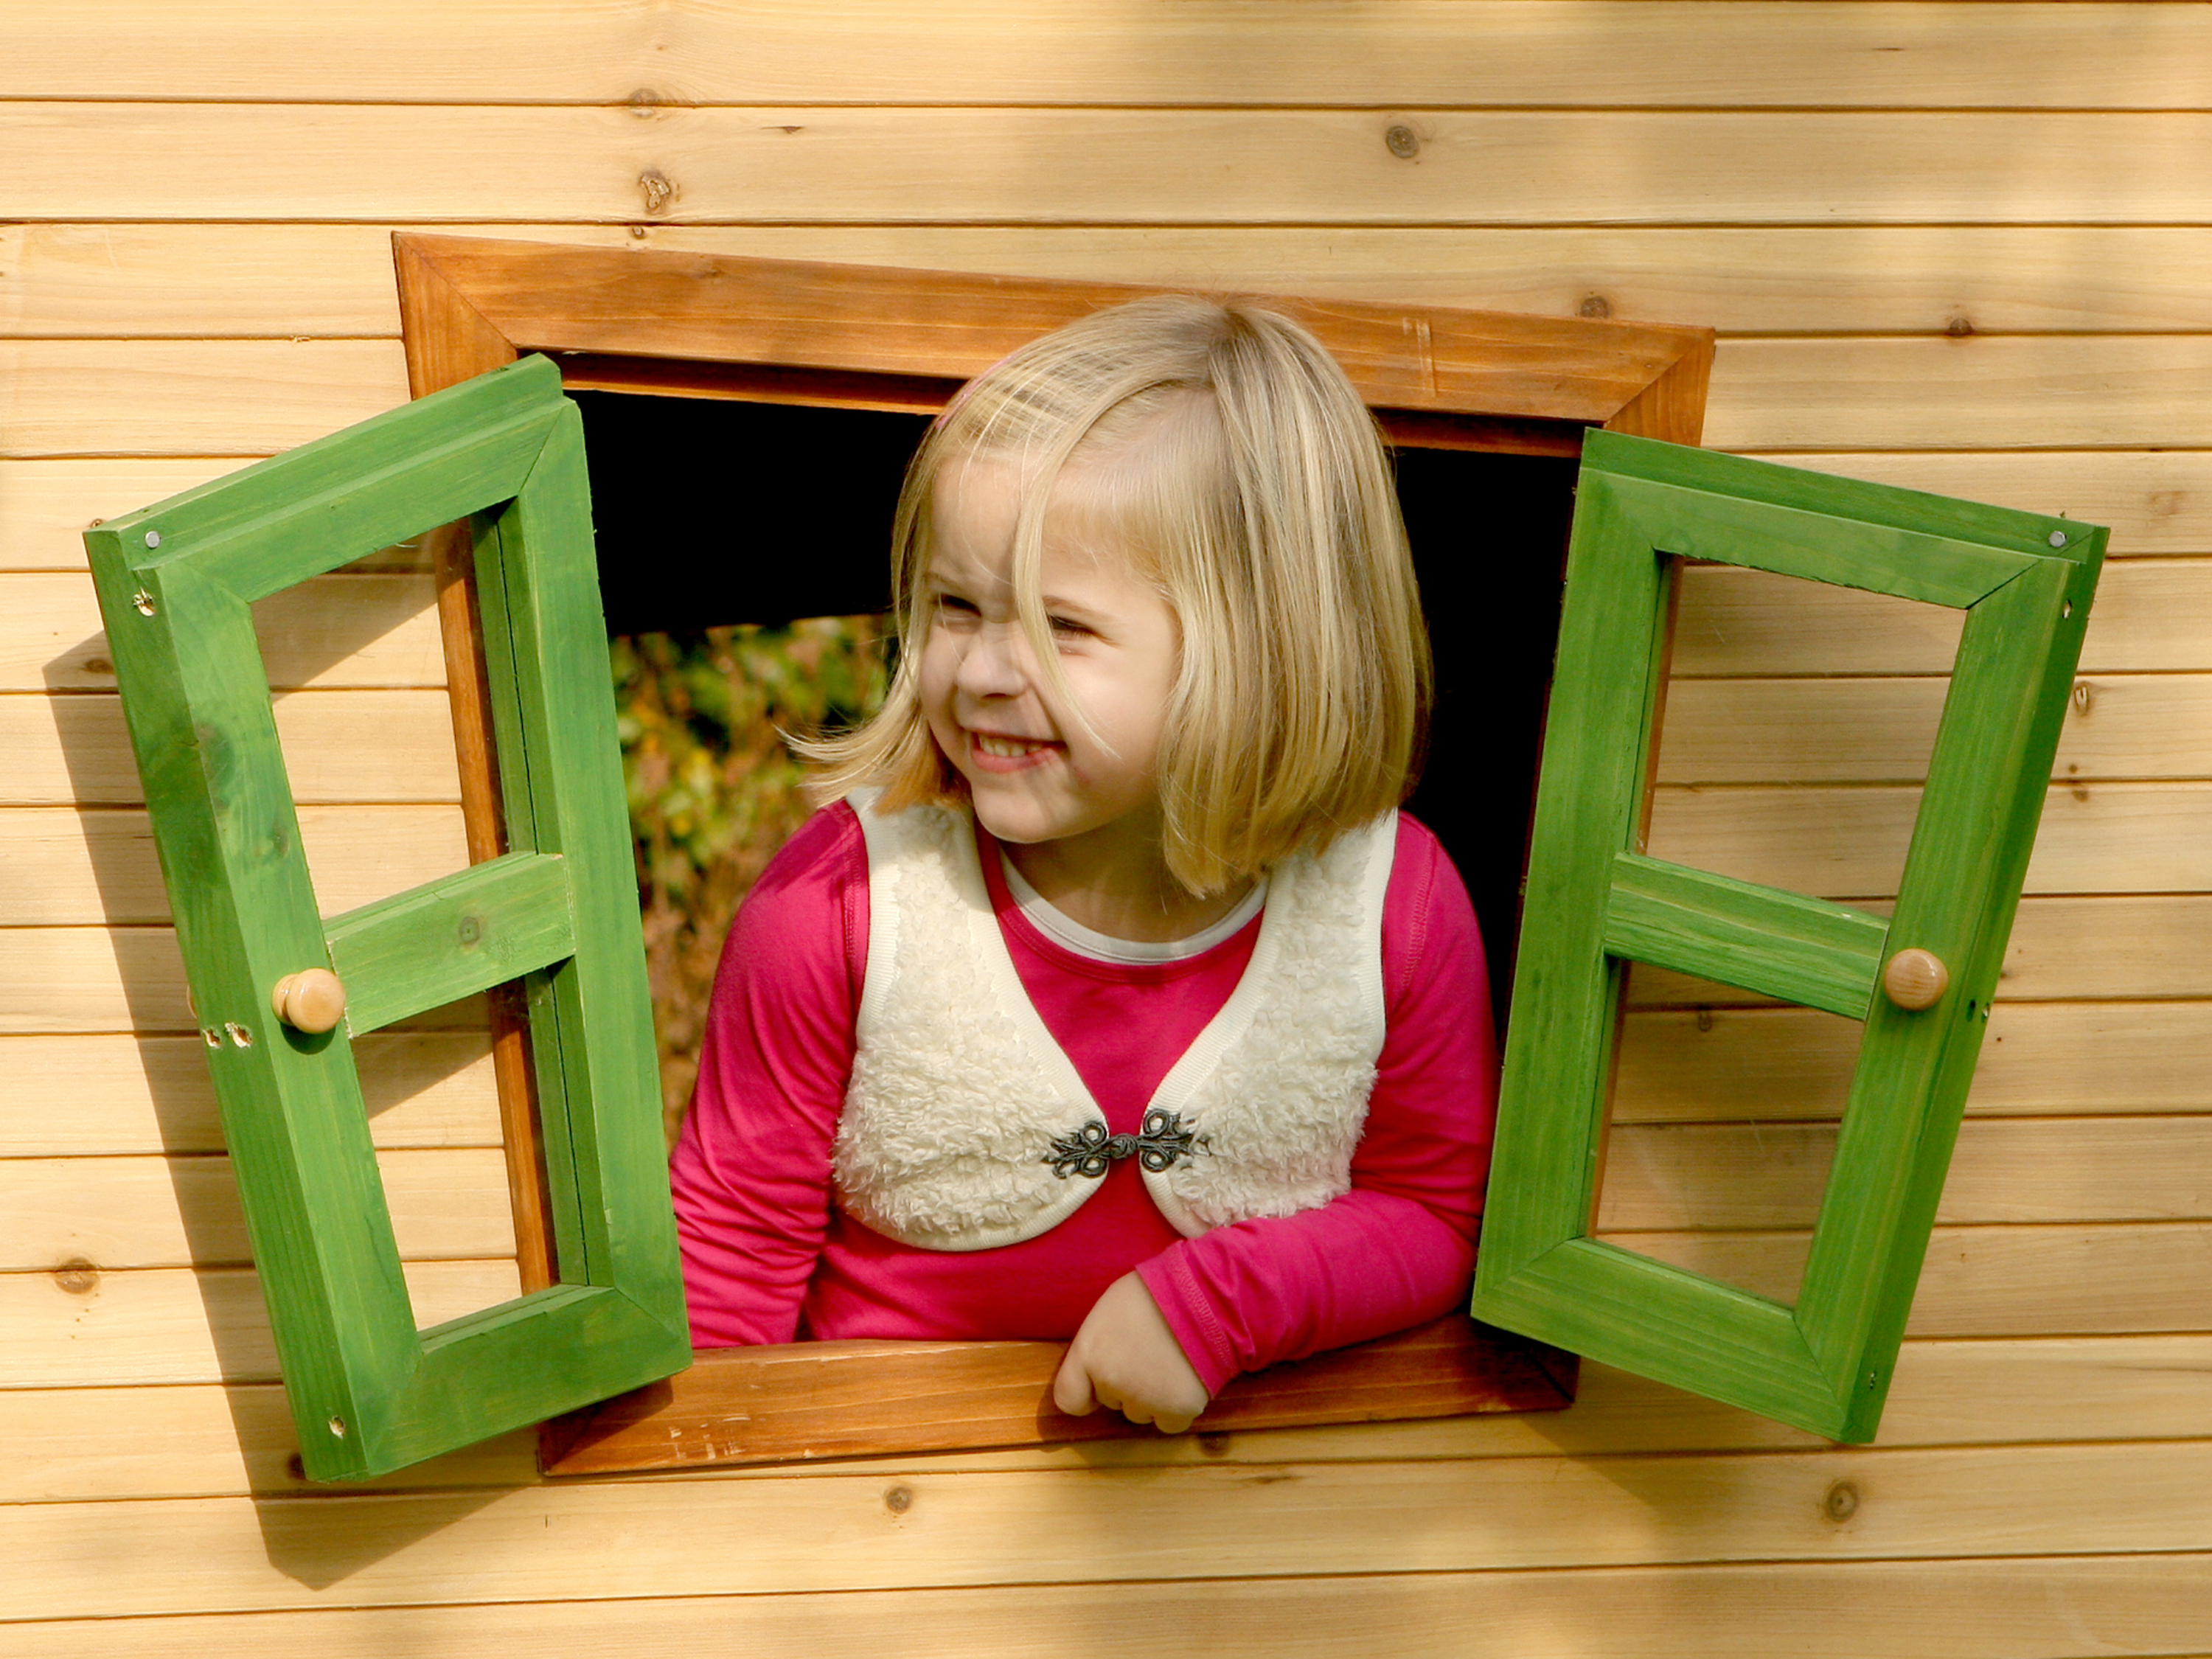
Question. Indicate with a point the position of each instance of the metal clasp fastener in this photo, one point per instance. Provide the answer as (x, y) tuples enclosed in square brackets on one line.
[(1090, 1150)]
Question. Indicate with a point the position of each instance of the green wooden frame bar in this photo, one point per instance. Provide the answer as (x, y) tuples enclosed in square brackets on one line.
[(1596, 901), (369, 1392)]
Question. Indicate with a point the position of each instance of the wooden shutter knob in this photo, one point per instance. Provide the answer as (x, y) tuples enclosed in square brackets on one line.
[(312, 999), (1916, 979)]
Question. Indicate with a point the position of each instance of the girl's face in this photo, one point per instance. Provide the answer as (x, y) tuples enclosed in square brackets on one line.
[(1037, 772)]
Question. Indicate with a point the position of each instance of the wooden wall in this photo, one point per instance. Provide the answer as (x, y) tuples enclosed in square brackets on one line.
[(1961, 246)]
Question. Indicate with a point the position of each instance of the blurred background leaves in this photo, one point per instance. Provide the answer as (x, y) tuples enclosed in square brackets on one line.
[(715, 790)]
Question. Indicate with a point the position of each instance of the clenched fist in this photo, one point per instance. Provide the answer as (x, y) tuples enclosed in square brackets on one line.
[(1125, 1357)]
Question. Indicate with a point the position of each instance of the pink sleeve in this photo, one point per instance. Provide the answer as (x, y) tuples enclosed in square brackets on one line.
[(1399, 1249), (751, 1173)]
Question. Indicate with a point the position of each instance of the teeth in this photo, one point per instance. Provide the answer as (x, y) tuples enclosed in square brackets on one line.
[(1004, 749)]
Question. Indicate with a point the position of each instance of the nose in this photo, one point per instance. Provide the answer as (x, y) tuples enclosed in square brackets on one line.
[(992, 664)]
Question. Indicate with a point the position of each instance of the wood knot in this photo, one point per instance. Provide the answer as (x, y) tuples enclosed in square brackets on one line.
[(644, 102), (1595, 305), (657, 191), (1215, 1444), (1841, 1501), (899, 1499), (98, 665), (78, 1276), (1959, 327), (1401, 141)]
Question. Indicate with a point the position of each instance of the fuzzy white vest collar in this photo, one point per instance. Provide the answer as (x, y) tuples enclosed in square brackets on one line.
[(966, 1125)]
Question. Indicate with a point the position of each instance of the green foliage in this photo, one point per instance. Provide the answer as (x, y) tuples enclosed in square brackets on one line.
[(715, 790)]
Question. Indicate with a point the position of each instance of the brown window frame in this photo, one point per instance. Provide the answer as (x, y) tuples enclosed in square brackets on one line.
[(786, 331)]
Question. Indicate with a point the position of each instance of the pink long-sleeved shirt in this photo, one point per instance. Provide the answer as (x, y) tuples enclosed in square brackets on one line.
[(768, 1258)]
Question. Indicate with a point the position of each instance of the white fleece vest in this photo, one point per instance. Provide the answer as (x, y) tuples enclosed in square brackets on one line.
[(966, 1127)]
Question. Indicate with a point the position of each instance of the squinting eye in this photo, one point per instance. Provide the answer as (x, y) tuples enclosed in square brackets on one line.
[(1068, 626)]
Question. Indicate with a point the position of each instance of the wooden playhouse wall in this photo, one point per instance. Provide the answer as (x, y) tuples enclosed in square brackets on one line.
[(1957, 247)]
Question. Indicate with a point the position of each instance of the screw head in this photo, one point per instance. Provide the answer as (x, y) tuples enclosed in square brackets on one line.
[(2058, 538), (1404, 142), (153, 539)]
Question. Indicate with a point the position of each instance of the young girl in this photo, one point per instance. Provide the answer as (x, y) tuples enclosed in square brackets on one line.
[(1113, 1001)]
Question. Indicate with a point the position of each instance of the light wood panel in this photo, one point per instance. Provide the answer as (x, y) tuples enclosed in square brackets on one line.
[(130, 280), (814, 164), (207, 1440), (62, 981), (387, 745), (83, 867), (44, 505), (2111, 838), (131, 1212), (2017, 1608), (2005, 392), (2119, 948), (180, 1211), (336, 632), (2009, 1170), (1786, 1064), (2153, 501), (114, 1096), (626, 1538), (1880, 729), (1995, 1281), (61, 397), (982, 52), (2149, 616), (176, 1325), (188, 397)]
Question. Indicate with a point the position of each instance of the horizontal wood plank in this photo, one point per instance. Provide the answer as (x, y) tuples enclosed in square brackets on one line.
[(1740, 621), (189, 398), (2154, 502), (2003, 391), (178, 1325), (1880, 729), (2016, 1608), (641, 1538), (1678, 1176), (119, 1096), (46, 505), (1430, 52), (288, 280), (368, 745), (83, 398), (91, 866), (334, 633), (92, 1329), (209, 1440), (177, 1211), (444, 163), (1994, 1281), (1851, 843), (62, 981), (1785, 1064)]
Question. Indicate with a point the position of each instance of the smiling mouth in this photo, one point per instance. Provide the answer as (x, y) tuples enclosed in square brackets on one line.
[(997, 754)]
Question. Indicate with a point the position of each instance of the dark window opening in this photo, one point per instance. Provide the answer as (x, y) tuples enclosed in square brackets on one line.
[(714, 512)]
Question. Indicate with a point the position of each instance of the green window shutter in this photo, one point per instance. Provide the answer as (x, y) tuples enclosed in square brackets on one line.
[(370, 1393), (1596, 901)]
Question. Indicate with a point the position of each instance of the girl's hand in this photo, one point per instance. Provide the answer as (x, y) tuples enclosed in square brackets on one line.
[(1125, 1357)]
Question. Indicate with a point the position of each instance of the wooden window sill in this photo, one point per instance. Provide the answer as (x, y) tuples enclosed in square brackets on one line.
[(803, 1400)]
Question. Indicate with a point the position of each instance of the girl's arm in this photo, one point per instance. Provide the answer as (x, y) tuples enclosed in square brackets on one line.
[(1399, 1249), (750, 1174)]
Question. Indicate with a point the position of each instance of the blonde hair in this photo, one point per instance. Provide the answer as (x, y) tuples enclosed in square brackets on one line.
[(1240, 467)]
